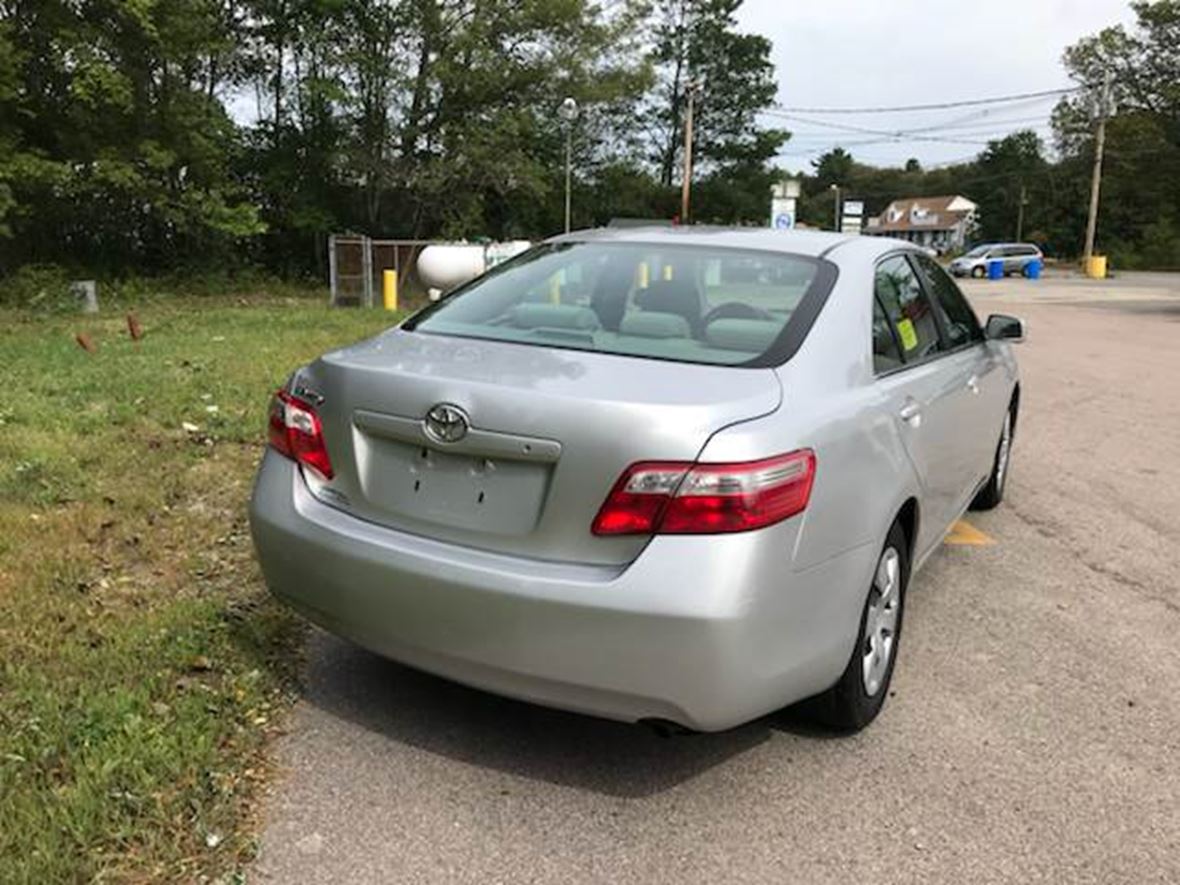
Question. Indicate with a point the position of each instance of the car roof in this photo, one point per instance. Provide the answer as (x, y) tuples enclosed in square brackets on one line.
[(812, 243)]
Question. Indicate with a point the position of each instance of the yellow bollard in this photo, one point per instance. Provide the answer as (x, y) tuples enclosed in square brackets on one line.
[(389, 289), (667, 271), (555, 289), (644, 275)]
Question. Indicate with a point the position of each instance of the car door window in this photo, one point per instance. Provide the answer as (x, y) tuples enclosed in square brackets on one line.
[(961, 324), (907, 309)]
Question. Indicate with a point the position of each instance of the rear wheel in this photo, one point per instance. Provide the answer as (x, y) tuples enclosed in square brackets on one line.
[(854, 701), (992, 492)]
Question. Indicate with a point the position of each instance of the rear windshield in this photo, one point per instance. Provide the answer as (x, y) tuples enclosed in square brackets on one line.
[(693, 304)]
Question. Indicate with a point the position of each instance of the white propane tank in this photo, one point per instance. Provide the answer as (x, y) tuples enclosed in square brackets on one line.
[(500, 252), (447, 266)]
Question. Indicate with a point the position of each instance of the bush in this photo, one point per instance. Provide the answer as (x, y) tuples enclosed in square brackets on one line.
[(38, 286), (45, 288)]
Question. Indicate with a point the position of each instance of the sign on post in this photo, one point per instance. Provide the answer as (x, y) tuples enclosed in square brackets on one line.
[(852, 216), (783, 197)]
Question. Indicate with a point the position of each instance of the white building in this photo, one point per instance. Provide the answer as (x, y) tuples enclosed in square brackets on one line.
[(941, 223)]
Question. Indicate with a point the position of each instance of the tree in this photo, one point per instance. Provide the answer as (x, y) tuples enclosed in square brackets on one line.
[(833, 167), (118, 153), (696, 43), (1009, 172), (1141, 180)]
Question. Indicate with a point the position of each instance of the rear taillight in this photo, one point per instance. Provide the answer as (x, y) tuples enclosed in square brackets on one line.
[(294, 430), (683, 498)]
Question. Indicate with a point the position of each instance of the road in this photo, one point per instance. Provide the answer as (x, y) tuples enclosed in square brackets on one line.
[(1032, 736)]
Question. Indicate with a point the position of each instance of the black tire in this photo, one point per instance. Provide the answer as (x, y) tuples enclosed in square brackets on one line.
[(992, 493), (978, 272), (848, 706)]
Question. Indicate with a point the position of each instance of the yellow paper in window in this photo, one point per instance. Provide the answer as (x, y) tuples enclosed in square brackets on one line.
[(909, 338)]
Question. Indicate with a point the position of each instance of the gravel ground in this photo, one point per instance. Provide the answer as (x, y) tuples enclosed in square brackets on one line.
[(1032, 736)]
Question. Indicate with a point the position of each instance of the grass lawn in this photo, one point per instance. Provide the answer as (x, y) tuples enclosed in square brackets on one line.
[(142, 665)]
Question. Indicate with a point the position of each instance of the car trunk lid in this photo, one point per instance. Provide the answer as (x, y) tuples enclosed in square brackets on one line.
[(549, 431)]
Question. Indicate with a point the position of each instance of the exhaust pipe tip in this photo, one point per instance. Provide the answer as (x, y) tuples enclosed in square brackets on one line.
[(666, 728)]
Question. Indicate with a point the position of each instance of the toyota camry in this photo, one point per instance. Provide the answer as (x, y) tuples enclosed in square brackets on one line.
[(673, 475)]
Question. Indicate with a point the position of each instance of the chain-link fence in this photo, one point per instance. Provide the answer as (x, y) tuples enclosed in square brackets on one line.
[(357, 263)]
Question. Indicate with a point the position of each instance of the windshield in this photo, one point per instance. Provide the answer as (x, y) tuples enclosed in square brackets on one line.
[(977, 252), (694, 304)]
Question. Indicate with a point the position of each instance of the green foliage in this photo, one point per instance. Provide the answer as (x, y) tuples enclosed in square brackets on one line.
[(43, 287), (152, 136), (696, 42)]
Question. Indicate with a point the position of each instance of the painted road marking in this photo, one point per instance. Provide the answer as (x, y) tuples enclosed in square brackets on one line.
[(963, 532)]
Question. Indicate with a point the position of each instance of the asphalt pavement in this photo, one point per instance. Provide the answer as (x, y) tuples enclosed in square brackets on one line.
[(1032, 734)]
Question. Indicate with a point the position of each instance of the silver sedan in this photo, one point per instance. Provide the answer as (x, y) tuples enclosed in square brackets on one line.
[(680, 476)]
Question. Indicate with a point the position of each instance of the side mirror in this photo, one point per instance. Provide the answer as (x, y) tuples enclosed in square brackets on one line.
[(1001, 327)]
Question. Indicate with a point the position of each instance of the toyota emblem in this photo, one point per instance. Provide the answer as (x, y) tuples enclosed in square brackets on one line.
[(446, 423)]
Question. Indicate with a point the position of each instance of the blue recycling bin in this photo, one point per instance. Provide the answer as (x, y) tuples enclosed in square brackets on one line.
[(995, 269), (1032, 269)]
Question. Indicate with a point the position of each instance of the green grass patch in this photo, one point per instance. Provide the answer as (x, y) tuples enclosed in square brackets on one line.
[(142, 664)]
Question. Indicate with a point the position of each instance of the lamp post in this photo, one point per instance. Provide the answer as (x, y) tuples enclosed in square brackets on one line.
[(836, 221), (692, 91), (568, 113)]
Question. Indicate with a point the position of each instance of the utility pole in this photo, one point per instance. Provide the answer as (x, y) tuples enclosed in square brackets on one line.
[(1096, 178), (1020, 213), (835, 188), (686, 185)]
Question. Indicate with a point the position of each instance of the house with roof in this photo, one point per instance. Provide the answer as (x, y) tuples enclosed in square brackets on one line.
[(940, 223)]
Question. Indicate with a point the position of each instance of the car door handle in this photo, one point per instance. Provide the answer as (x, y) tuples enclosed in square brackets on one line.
[(973, 384), (911, 412)]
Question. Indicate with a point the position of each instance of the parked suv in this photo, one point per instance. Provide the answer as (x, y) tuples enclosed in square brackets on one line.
[(1016, 257)]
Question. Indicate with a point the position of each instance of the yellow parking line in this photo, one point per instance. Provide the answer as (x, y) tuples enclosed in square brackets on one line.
[(963, 532)]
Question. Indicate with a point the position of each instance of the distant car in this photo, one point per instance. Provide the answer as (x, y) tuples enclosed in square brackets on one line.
[(677, 475), (1016, 257)]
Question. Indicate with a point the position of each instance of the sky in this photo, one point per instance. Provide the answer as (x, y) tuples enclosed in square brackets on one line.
[(886, 53)]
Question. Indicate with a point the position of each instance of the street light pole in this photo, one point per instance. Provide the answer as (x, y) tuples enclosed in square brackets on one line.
[(568, 112), (836, 211), (569, 150), (686, 185)]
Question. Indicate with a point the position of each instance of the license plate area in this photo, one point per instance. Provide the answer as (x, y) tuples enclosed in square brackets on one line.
[(496, 495)]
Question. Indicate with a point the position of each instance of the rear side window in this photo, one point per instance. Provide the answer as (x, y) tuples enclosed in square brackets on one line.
[(962, 326), (907, 309), (693, 304), (886, 349)]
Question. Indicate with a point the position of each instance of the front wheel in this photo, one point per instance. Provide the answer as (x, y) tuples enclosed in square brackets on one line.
[(992, 492), (978, 272), (854, 701)]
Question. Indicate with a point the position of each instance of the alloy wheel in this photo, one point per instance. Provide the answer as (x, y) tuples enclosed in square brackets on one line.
[(1003, 452), (880, 633)]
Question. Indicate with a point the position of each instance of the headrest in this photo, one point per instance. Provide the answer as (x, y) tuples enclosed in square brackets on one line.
[(670, 296), (751, 336), (650, 324), (553, 316)]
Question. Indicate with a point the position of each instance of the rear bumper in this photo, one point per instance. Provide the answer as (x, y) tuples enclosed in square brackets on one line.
[(707, 632)]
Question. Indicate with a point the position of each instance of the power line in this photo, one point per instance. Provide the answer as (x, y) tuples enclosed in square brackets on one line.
[(896, 134), (974, 102), (990, 132)]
